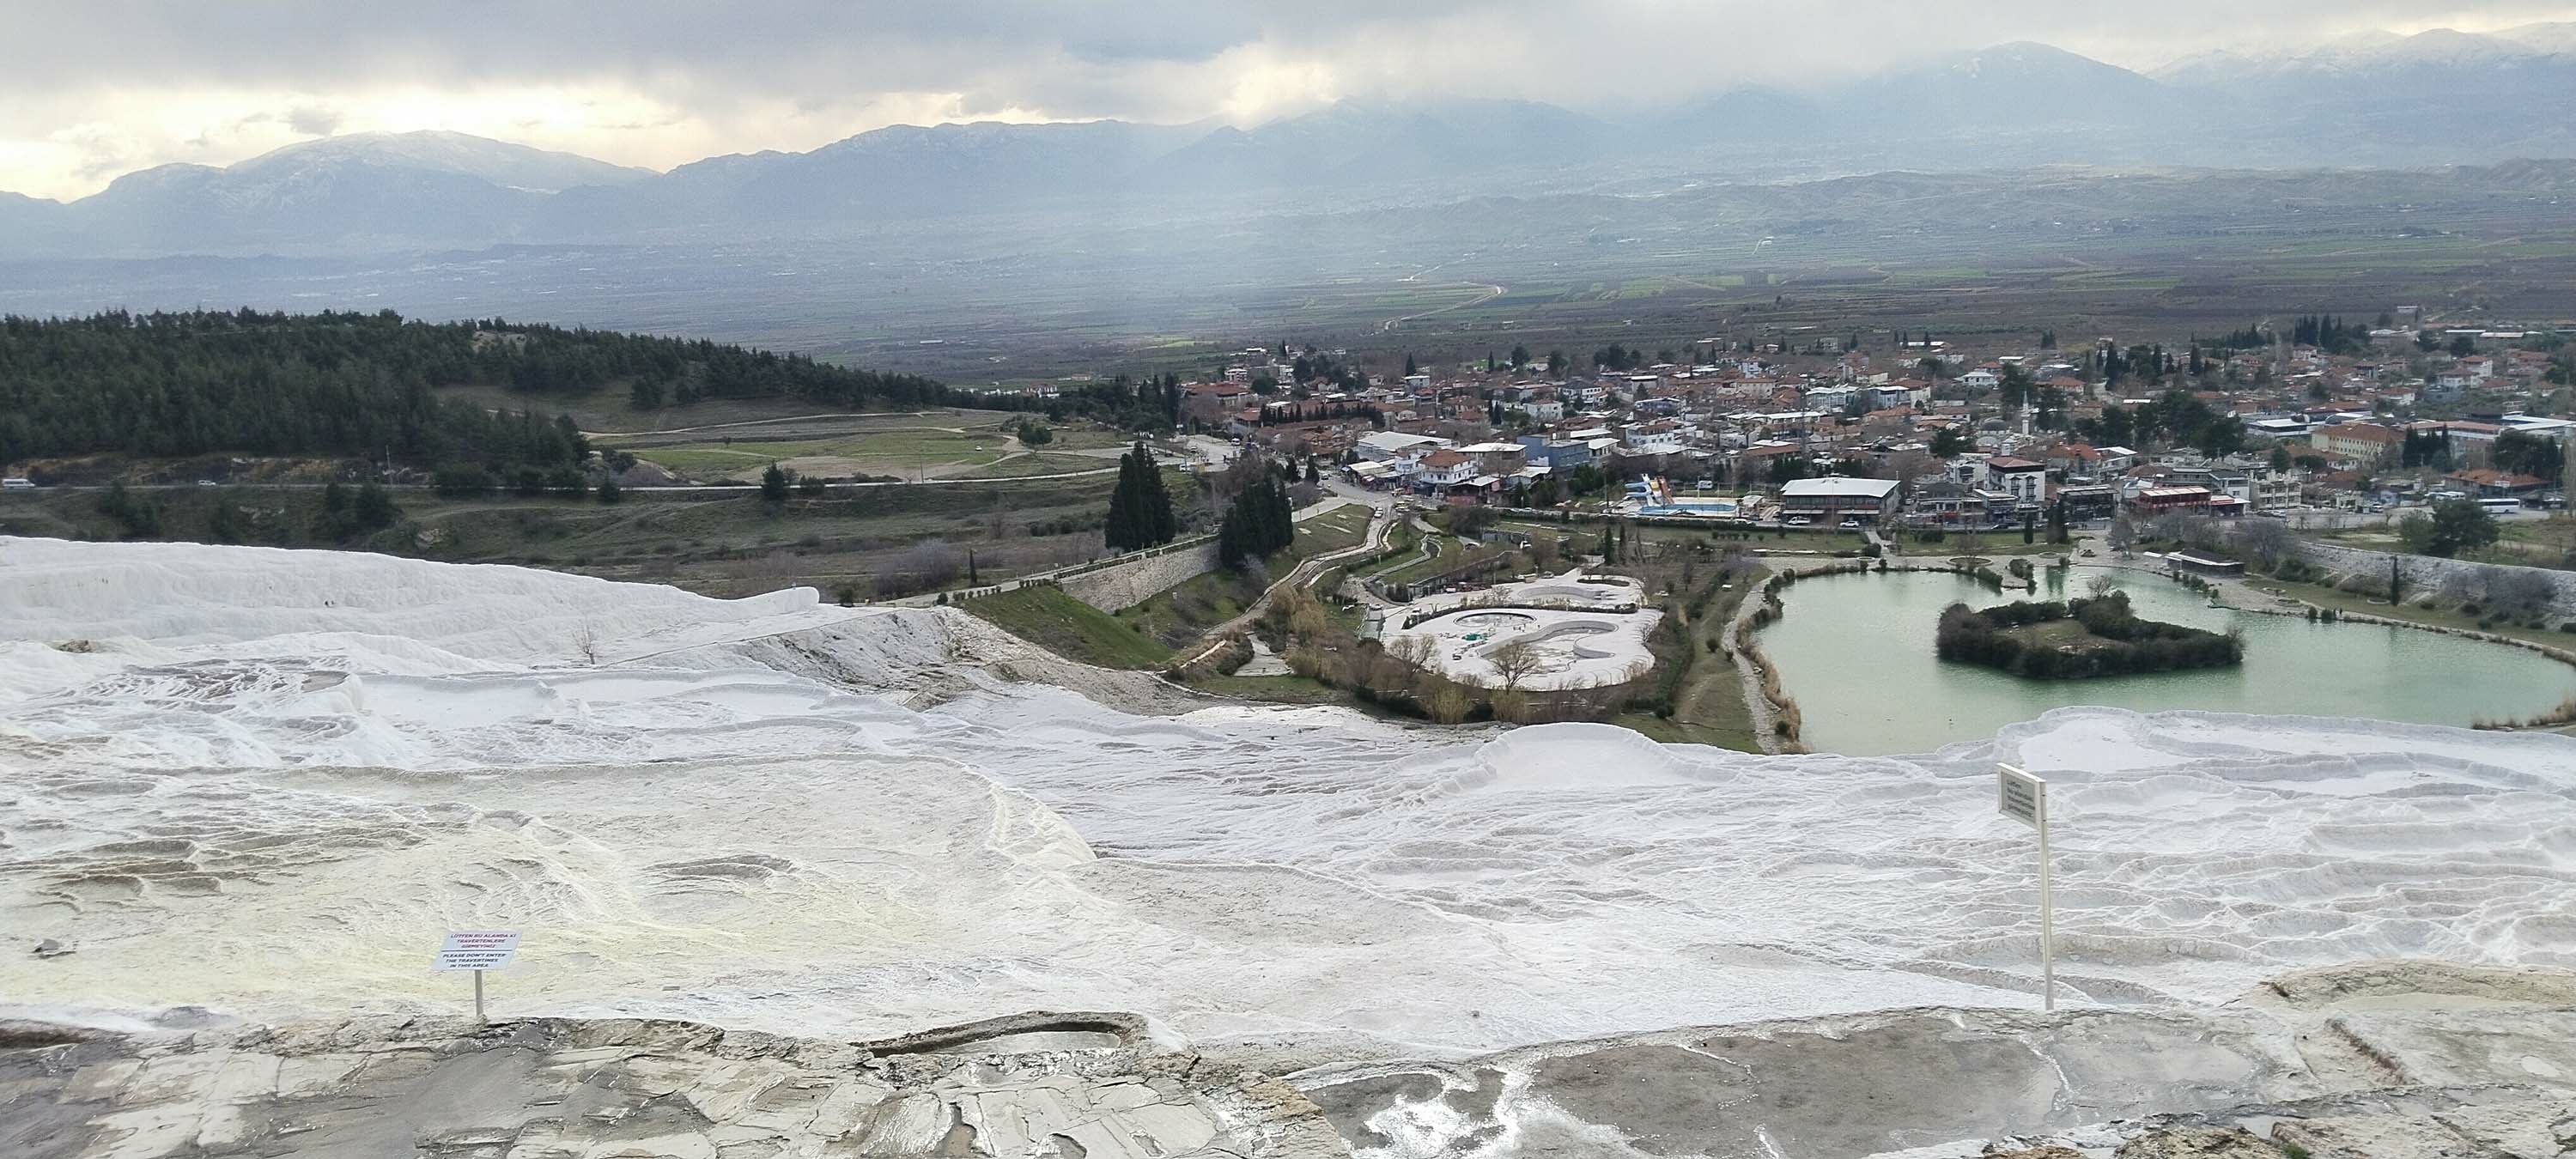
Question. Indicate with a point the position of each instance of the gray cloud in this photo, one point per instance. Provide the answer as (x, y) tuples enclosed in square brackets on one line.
[(313, 120), (722, 71), (1028, 52)]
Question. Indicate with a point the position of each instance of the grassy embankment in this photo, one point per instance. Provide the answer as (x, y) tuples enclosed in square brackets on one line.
[(2414, 611), (1709, 707), (1049, 618), (1144, 637)]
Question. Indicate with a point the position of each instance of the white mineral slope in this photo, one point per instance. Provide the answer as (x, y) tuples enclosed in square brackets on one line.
[(264, 782)]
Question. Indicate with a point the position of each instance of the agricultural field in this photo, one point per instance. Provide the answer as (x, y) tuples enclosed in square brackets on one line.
[(609, 411), (734, 440), (871, 542), (812, 446)]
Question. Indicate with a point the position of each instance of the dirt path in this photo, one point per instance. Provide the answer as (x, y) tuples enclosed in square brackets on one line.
[(1492, 290), (1305, 572)]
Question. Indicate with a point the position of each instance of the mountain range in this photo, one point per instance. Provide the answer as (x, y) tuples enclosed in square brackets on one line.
[(2437, 98)]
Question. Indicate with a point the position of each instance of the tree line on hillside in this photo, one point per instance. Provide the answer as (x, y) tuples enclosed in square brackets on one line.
[(167, 384), (185, 384), (1123, 403), (676, 371)]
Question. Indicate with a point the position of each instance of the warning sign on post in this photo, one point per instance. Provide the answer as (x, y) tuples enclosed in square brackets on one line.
[(2022, 796), (477, 950)]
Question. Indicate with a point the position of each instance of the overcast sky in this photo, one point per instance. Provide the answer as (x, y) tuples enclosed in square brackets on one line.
[(90, 89)]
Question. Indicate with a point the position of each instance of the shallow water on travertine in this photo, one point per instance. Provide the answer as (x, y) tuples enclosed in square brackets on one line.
[(243, 797)]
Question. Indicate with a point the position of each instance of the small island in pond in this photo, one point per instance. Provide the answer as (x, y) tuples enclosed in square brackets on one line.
[(2079, 638)]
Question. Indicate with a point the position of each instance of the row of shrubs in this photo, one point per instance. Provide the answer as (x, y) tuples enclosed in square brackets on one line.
[(2121, 642)]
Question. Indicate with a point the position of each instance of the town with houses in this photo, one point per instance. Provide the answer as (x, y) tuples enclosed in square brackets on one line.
[(1939, 434)]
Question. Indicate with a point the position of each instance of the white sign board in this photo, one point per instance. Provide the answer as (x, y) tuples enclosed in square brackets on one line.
[(477, 950), (2021, 796)]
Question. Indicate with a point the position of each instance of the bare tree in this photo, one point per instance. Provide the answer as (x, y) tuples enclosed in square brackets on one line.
[(2101, 585), (1384, 673), (2264, 542), (2517, 592), (1907, 466), (1515, 661), (1448, 703), (1247, 469), (2463, 586), (927, 564)]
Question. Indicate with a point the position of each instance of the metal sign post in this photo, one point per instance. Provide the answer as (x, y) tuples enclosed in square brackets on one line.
[(476, 950), (2024, 797)]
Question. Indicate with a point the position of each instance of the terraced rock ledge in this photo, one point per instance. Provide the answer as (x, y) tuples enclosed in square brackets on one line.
[(1073, 1087)]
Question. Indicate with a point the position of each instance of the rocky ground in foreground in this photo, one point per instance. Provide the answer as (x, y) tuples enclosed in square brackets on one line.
[(2385, 1061), (450, 1089)]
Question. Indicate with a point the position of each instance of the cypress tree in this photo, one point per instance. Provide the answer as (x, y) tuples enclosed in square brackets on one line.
[(1126, 529), (1115, 530), (1154, 500)]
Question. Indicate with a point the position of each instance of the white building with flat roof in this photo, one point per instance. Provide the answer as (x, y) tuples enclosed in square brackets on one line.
[(1840, 497), (1388, 446)]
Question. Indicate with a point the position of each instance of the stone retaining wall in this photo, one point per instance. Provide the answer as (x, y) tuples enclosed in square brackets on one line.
[(1126, 585), (2425, 575)]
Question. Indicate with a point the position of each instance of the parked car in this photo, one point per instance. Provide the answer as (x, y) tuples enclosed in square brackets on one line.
[(1796, 521), (1849, 525)]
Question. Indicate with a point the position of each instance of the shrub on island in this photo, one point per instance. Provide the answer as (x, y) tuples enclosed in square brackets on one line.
[(2113, 640)]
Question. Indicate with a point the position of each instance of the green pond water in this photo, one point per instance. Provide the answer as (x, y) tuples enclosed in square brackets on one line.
[(1856, 652)]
